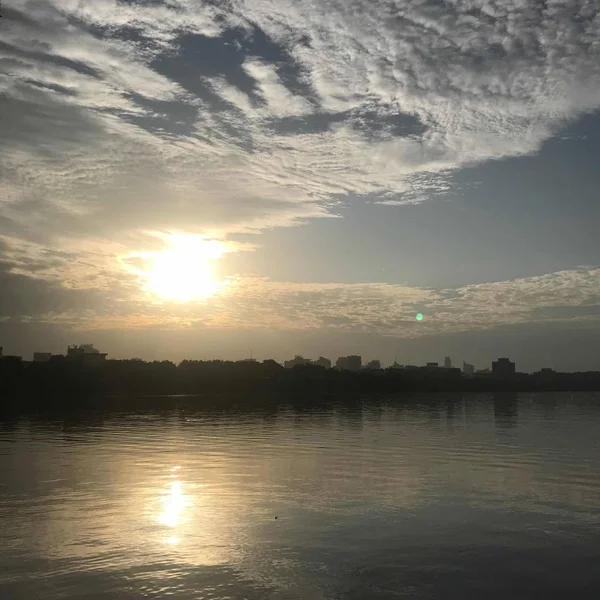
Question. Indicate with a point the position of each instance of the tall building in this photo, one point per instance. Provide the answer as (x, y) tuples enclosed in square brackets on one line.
[(503, 367), (468, 369), (349, 363), (447, 363)]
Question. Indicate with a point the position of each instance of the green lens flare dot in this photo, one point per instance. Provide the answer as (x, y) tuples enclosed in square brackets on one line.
[(419, 317)]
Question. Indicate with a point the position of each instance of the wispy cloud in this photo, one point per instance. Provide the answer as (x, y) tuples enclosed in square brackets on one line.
[(138, 115), (77, 291)]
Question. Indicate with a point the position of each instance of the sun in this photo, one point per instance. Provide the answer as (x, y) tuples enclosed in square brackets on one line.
[(184, 271)]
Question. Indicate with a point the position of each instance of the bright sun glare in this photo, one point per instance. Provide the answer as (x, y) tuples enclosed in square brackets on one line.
[(184, 271), (173, 504)]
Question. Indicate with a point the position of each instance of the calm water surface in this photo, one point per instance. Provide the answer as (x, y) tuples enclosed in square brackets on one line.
[(479, 497)]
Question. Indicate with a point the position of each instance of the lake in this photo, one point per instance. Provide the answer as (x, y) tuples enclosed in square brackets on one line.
[(476, 496)]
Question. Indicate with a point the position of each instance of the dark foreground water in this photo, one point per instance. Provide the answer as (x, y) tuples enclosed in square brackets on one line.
[(481, 497)]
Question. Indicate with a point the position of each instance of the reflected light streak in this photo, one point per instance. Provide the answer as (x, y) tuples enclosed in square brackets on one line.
[(173, 504)]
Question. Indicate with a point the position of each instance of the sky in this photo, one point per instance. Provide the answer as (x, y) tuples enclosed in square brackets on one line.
[(214, 179)]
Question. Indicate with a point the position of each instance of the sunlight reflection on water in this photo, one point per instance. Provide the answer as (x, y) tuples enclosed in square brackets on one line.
[(174, 502), (373, 501)]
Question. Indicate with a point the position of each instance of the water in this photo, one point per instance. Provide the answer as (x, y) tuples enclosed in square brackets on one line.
[(479, 497)]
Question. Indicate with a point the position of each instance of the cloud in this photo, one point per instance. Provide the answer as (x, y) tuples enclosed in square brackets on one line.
[(124, 119), (27, 298), (261, 113), (391, 309), (85, 290)]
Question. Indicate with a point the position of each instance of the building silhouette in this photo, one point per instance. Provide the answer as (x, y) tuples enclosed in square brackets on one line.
[(373, 365), (447, 362), (468, 369), (349, 363), (296, 361), (41, 356), (323, 362), (299, 360), (546, 377), (85, 353), (503, 367), (9, 358)]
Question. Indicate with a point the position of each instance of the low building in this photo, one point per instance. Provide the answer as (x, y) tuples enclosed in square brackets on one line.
[(323, 362), (86, 353), (9, 358), (432, 365), (373, 365), (349, 363), (546, 375), (430, 373), (296, 362), (41, 357)]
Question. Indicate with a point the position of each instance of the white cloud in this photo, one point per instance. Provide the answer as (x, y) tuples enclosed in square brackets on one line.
[(280, 101), (571, 296)]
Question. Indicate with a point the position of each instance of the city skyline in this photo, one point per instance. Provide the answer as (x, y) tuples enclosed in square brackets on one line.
[(385, 179), (89, 354), (419, 357)]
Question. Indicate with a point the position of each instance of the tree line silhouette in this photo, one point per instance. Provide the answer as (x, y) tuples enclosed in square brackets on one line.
[(72, 382)]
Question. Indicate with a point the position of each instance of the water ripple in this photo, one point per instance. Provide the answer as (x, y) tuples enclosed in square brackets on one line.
[(425, 498)]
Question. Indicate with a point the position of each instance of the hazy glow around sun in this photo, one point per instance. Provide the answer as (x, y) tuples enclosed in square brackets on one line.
[(184, 270)]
